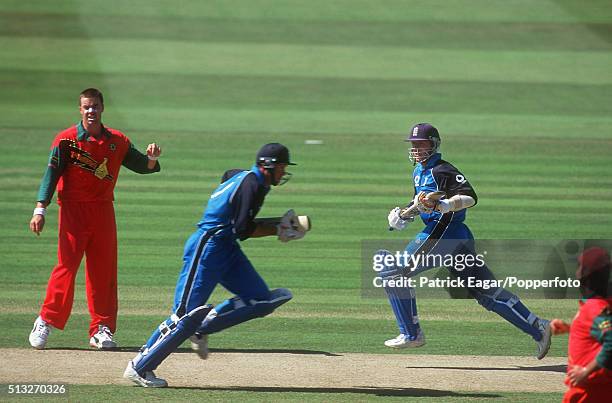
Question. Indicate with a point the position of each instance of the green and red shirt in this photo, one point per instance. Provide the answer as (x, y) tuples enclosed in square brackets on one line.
[(85, 169), (591, 338)]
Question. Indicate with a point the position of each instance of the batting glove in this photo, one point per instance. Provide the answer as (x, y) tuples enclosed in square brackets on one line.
[(424, 204), (287, 218), (395, 221), (285, 230), (289, 234)]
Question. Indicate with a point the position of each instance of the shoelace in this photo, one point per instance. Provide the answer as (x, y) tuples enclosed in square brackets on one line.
[(106, 331), (42, 328)]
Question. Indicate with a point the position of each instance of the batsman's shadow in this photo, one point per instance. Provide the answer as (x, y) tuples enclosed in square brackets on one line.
[(540, 368), (183, 350), (264, 351), (93, 350), (364, 390)]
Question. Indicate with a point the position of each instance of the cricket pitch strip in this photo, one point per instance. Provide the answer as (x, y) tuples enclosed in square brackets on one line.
[(301, 371)]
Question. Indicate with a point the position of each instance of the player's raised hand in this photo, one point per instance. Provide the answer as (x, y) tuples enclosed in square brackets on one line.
[(153, 151)]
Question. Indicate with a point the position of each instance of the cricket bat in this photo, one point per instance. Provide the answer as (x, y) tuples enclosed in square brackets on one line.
[(300, 223)]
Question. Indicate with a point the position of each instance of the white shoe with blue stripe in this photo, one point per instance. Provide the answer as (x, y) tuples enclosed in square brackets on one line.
[(406, 341), (149, 380)]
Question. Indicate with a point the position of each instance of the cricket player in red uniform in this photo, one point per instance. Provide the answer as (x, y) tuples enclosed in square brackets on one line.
[(83, 166), (589, 367)]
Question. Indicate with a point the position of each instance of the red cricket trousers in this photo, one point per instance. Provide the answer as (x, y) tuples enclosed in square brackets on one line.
[(84, 228), (591, 394)]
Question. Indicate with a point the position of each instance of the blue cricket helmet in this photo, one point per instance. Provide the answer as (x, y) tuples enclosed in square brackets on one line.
[(423, 132)]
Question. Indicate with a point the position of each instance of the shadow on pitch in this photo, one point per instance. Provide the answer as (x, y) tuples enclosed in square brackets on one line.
[(541, 368), (94, 350), (212, 350), (268, 351), (365, 390), (263, 351)]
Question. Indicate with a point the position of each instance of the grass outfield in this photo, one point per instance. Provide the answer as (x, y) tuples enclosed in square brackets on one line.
[(521, 92), (254, 394)]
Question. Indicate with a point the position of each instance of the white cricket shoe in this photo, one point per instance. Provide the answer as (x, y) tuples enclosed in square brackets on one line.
[(199, 344), (543, 326), (149, 380), (103, 340), (405, 341), (39, 334)]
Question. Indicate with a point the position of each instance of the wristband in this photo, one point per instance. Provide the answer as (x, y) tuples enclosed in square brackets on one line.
[(152, 158), (40, 211)]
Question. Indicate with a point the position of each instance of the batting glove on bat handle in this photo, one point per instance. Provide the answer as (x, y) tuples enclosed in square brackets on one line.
[(395, 221), (290, 234)]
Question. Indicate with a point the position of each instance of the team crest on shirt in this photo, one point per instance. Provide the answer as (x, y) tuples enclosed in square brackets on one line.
[(81, 158)]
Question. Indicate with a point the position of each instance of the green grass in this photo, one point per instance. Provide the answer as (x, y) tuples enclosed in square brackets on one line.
[(90, 393), (312, 324), (521, 93)]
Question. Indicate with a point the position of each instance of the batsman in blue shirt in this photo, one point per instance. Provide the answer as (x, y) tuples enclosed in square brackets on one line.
[(442, 197), (213, 256)]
